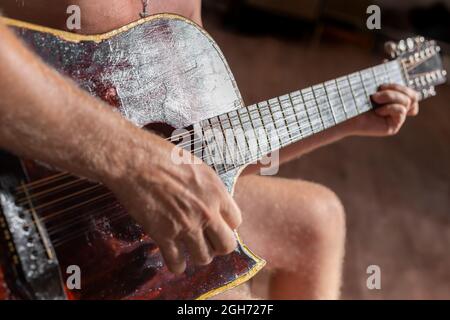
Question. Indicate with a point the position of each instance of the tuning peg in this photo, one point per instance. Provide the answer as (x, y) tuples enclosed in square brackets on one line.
[(401, 46), (419, 40), (410, 44), (441, 74), (390, 48), (428, 92), (432, 91)]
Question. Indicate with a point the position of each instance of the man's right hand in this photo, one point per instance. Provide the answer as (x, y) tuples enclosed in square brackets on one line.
[(46, 117), (178, 205)]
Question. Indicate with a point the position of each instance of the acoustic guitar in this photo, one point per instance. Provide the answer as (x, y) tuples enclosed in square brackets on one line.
[(163, 73)]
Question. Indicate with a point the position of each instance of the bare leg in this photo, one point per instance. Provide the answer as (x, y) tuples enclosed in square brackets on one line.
[(299, 228)]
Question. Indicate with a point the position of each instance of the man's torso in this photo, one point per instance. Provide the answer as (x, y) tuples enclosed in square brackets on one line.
[(97, 16)]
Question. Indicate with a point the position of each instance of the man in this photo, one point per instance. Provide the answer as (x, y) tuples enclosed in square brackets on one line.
[(279, 216)]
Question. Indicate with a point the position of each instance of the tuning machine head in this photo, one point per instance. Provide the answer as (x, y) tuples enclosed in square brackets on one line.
[(390, 48), (428, 92), (396, 49)]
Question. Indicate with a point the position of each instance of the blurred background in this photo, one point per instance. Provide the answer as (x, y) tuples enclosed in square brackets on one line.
[(395, 190)]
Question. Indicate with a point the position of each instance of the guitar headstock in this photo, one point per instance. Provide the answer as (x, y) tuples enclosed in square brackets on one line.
[(422, 63)]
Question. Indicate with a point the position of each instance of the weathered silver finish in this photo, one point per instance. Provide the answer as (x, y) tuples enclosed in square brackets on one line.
[(163, 69), (187, 79), (29, 243)]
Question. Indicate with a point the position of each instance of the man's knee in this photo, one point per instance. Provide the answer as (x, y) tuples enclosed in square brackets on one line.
[(329, 214), (325, 215)]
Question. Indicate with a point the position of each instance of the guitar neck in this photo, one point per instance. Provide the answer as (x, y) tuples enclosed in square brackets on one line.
[(245, 135)]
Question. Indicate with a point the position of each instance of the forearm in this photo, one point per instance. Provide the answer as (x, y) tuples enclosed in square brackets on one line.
[(47, 117), (309, 144), (316, 141)]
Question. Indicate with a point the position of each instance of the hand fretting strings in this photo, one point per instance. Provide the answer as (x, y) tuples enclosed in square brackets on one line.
[(314, 121)]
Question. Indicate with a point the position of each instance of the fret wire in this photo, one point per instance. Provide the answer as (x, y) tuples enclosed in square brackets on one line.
[(291, 117), (318, 108), (280, 123), (363, 86), (210, 152), (337, 91), (284, 117), (302, 108), (238, 143), (254, 131), (353, 94), (224, 132), (258, 117), (274, 123), (374, 76), (226, 140), (224, 143), (332, 89), (295, 114), (366, 92), (245, 135), (318, 117), (235, 137), (386, 72), (329, 103), (264, 126), (342, 77), (308, 114), (351, 101), (342, 100), (218, 148)]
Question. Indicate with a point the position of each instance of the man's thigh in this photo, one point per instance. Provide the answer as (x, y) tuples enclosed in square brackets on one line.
[(282, 218), (292, 224)]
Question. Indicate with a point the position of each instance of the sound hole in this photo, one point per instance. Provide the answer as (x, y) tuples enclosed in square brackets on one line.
[(161, 129), (165, 131)]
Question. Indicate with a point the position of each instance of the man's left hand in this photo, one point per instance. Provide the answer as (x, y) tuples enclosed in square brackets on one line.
[(396, 103)]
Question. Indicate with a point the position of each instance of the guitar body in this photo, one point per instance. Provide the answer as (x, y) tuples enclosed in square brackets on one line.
[(161, 71)]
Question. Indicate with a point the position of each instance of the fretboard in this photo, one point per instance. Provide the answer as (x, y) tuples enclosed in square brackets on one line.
[(245, 135)]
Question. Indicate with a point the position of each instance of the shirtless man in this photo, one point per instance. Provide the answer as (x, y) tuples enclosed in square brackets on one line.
[(278, 215)]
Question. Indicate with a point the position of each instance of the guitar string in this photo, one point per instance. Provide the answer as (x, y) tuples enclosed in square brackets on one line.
[(258, 155), (67, 174), (76, 234), (56, 177), (325, 89), (111, 219), (77, 206), (345, 78), (326, 93), (43, 194), (316, 106), (91, 214), (72, 208), (55, 228)]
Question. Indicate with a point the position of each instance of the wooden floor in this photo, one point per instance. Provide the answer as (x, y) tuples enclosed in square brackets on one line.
[(395, 190)]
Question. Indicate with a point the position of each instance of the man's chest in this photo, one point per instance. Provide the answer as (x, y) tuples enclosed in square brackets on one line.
[(95, 16)]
